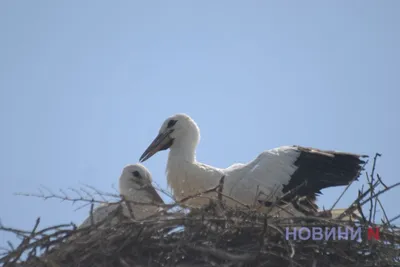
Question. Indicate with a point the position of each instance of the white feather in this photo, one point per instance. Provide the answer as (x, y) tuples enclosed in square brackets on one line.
[(133, 189), (261, 179), (243, 182)]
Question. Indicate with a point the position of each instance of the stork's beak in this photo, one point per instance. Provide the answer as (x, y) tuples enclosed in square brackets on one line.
[(163, 141)]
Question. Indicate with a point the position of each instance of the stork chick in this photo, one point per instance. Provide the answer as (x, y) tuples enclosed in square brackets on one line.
[(134, 185)]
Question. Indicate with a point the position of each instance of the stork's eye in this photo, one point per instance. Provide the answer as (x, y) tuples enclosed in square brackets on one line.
[(136, 174), (171, 123)]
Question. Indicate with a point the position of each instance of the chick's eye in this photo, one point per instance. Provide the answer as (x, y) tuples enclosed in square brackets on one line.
[(136, 174)]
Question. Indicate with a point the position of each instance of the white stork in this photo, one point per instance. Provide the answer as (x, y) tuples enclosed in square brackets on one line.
[(134, 185), (271, 175)]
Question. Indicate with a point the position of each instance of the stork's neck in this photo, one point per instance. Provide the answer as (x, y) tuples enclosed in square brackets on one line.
[(134, 192), (139, 211), (187, 177), (183, 150)]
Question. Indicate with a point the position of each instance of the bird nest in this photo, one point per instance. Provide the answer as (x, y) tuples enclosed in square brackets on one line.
[(218, 236)]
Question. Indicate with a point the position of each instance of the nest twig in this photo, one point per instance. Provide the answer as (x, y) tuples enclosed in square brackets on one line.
[(233, 237)]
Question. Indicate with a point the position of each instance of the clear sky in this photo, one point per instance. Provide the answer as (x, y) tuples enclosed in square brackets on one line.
[(85, 86)]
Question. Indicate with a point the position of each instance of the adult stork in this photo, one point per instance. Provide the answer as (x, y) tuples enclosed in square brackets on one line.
[(273, 174), (135, 186)]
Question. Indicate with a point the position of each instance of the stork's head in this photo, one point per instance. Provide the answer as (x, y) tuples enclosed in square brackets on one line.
[(176, 131), (133, 177)]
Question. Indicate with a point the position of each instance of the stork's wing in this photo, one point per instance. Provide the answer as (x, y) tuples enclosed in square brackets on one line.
[(322, 169), (263, 178), (293, 168)]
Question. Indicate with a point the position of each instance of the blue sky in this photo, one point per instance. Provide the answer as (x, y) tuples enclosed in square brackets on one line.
[(85, 86)]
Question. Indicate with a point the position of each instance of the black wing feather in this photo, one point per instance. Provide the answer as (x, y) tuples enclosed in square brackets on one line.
[(322, 169)]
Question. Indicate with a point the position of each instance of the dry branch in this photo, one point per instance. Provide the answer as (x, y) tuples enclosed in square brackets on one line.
[(206, 237)]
